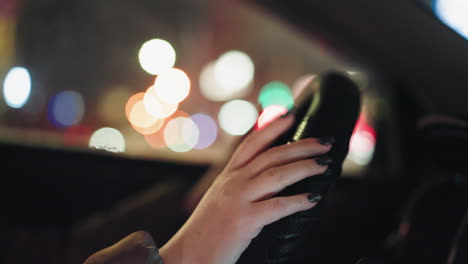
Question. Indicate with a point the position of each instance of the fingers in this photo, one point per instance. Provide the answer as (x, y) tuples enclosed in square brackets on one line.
[(257, 141), (137, 247), (288, 153), (275, 179), (274, 209)]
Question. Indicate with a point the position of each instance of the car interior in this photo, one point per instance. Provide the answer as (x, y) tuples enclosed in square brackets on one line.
[(85, 162)]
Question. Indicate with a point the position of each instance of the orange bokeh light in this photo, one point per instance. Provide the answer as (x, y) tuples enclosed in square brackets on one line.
[(139, 117), (131, 102), (150, 130), (155, 106)]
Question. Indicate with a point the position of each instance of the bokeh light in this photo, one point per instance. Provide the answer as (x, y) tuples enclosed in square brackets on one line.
[(155, 106), (208, 130), (131, 102), (454, 14), (269, 114), (209, 87), (157, 56), (212, 90), (17, 87), (172, 86), (362, 148), (181, 134), (237, 117), (151, 129), (77, 135), (109, 139), (234, 72), (156, 140), (66, 108), (276, 93), (139, 117), (362, 143)]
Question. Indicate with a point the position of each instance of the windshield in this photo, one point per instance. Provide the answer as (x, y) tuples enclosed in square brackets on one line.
[(170, 80)]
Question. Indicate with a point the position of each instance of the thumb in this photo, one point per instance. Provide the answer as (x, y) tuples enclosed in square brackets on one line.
[(136, 248)]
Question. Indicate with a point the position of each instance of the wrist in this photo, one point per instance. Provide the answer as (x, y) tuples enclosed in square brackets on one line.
[(179, 249), (194, 247)]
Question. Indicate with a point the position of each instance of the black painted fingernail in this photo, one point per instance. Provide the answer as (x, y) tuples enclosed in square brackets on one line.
[(291, 111), (326, 140), (313, 198), (324, 160)]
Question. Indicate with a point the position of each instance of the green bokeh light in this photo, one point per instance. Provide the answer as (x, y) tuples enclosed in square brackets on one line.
[(276, 93)]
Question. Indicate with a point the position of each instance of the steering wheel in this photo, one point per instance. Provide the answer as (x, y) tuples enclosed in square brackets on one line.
[(329, 106)]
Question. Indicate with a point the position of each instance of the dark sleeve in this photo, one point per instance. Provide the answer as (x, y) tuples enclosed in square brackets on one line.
[(136, 248)]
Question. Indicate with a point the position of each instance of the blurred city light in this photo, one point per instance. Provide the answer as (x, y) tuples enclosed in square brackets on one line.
[(151, 129), (237, 117), (66, 109), (156, 140), (109, 139), (157, 56), (276, 93), (269, 114), (172, 86), (77, 135), (209, 87), (362, 143), (181, 134), (208, 130), (17, 87), (234, 72), (131, 102), (454, 14), (156, 106), (139, 117), (362, 148)]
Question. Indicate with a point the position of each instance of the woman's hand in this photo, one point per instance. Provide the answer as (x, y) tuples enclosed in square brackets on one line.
[(136, 248), (241, 201)]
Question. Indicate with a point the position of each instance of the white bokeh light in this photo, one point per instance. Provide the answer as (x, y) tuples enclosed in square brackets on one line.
[(454, 14), (237, 117), (156, 56), (17, 87), (209, 87), (361, 147), (109, 139), (181, 134), (172, 86), (155, 106), (234, 72)]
